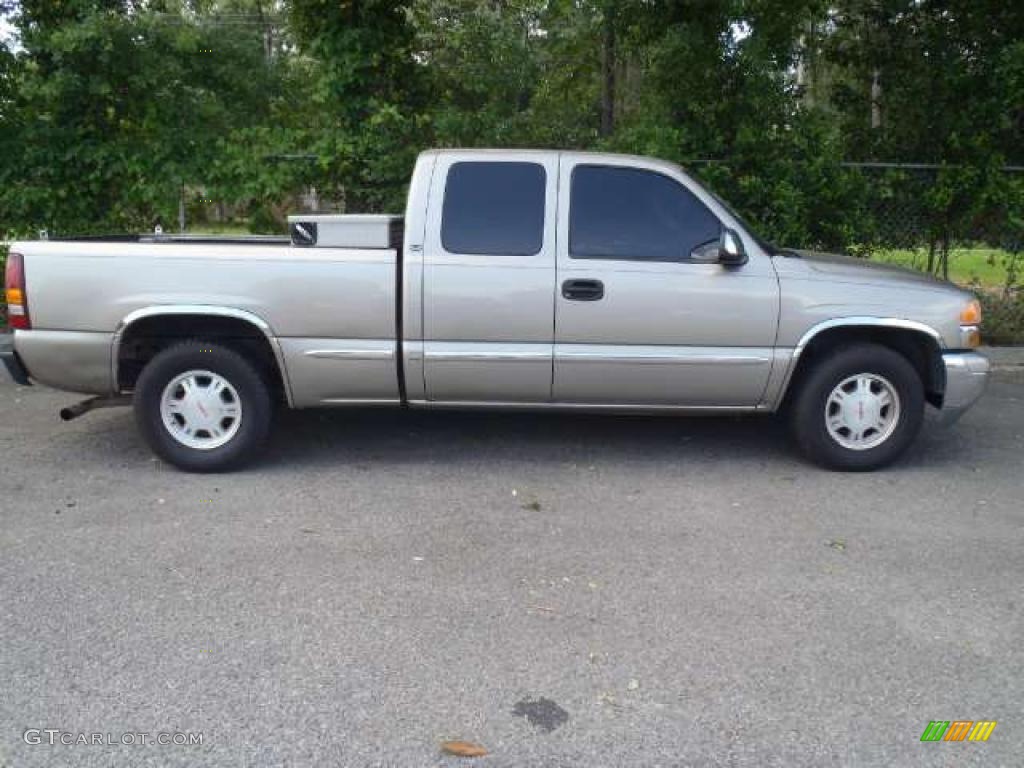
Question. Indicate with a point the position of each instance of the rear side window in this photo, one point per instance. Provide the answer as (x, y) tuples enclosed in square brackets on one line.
[(494, 209), (628, 213)]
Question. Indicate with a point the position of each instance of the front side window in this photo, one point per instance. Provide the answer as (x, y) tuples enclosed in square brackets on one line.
[(633, 214), (494, 209)]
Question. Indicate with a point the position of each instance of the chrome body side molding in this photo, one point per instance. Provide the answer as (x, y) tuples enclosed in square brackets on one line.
[(350, 354), (659, 355), (485, 352)]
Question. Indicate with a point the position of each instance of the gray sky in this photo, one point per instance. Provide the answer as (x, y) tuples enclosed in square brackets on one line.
[(8, 34)]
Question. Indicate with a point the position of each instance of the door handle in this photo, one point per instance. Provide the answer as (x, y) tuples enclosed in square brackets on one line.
[(583, 290)]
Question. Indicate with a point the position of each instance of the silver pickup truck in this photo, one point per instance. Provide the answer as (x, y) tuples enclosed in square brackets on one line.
[(517, 279)]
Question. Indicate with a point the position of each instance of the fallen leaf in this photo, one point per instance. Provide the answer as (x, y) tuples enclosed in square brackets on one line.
[(633, 685), (463, 749)]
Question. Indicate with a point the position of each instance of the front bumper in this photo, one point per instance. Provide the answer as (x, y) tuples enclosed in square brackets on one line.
[(967, 376)]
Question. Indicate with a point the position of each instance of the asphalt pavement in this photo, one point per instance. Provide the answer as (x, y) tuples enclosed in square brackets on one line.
[(562, 590)]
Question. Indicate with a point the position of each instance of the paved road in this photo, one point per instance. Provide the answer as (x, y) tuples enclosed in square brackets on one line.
[(647, 591)]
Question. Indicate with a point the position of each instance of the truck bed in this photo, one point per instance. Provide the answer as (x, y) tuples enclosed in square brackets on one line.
[(332, 311)]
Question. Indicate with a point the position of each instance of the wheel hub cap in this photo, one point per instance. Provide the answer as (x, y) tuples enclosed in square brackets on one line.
[(201, 409), (862, 411)]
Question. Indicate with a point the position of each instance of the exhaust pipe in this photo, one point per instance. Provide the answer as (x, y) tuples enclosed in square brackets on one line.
[(83, 407)]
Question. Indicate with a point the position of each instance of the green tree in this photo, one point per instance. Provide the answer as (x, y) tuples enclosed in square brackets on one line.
[(367, 95), (934, 82), (482, 63), (117, 106)]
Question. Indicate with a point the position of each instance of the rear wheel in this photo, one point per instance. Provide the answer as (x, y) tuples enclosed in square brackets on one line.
[(202, 407), (859, 408)]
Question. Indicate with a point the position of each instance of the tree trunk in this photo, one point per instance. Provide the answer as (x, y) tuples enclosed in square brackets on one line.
[(608, 76), (945, 255), (876, 100)]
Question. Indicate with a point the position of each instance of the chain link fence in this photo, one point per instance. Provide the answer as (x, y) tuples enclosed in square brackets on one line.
[(912, 205), (961, 224)]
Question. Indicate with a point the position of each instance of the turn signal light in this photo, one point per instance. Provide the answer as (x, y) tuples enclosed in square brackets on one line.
[(14, 290), (971, 314)]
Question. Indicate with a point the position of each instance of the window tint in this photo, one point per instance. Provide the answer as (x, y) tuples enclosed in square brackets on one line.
[(627, 213), (496, 209)]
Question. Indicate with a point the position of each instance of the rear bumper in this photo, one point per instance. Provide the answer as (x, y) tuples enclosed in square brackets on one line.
[(967, 375), (77, 361), (15, 367)]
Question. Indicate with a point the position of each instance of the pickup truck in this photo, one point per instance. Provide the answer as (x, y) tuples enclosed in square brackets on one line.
[(516, 279)]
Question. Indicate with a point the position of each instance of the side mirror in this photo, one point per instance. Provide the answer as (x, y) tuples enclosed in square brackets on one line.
[(731, 252), (728, 251)]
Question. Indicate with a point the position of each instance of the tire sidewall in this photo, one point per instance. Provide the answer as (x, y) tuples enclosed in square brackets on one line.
[(252, 393), (809, 414)]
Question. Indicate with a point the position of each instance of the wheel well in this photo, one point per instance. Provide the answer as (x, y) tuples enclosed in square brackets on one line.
[(142, 340), (920, 349)]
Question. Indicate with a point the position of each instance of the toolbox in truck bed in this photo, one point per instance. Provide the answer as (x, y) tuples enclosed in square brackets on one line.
[(346, 231)]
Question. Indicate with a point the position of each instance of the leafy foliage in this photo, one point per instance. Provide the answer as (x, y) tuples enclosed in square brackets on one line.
[(114, 108), (107, 107)]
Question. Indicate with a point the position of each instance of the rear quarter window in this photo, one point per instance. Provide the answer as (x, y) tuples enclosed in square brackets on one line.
[(494, 209)]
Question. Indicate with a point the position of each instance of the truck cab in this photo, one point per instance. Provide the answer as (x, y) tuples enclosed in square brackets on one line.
[(570, 278)]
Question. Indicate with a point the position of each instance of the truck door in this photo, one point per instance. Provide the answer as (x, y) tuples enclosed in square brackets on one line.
[(488, 277), (638, 320)]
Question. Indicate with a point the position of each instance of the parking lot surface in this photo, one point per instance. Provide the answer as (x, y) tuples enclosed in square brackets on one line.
[(562, 590)]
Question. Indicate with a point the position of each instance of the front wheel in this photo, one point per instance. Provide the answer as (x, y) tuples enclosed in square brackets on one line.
[(202, 407), (859, 408)]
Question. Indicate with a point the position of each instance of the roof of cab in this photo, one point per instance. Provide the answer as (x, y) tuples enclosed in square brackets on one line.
[(618, 158)]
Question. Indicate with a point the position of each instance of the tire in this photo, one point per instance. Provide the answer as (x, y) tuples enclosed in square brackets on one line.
[(858, 409), (203, 407)]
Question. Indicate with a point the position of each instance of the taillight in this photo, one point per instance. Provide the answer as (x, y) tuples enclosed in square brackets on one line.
[(14, 288)]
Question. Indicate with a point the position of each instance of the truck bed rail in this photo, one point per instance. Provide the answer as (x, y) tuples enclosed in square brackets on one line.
[(152, 238)]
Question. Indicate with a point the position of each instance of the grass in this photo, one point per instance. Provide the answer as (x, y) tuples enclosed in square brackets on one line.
[(233, 228), (986, 266)]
